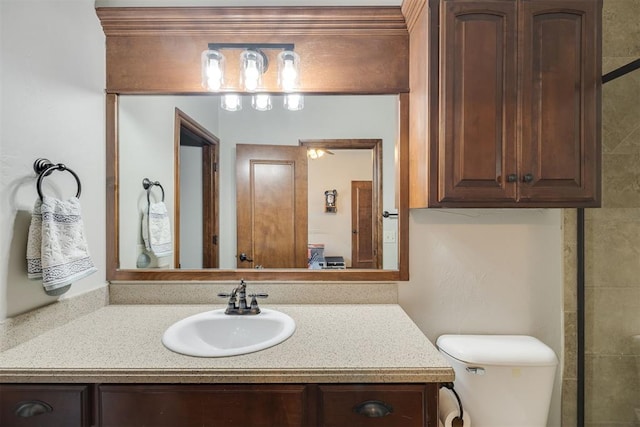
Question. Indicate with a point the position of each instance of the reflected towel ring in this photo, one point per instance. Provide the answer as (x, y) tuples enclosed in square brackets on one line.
[(44, 167), (147, 184)]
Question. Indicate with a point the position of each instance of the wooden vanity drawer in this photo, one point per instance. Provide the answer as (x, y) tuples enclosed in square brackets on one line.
[(203, 405), (44, 405), (379, 405)]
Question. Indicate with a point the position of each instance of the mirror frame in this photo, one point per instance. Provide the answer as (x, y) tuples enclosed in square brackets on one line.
[(132, 32)]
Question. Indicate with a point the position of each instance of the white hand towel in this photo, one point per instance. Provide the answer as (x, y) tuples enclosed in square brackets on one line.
[(57, 249), (156, 230)]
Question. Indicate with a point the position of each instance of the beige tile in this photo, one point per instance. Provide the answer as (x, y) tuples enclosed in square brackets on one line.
[(569, 371), (621, 180), (611, 320), (569, 403), (611, 390), (621, 28), (621, 112), (612, 253)]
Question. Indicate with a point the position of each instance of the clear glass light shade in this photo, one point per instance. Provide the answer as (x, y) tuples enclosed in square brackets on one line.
[(231, 102), (288, 70), (293, 101), (252, 66), (212, 68), (261, 102)]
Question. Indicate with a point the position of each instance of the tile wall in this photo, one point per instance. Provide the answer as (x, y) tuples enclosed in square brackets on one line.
[(612, 241)]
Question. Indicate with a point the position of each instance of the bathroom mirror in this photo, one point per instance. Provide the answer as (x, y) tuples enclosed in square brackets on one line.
[(357, 134), (148, 95)]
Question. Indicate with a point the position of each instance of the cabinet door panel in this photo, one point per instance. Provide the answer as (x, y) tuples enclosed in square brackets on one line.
[(478, 90), (560, 92), (409, 405), (202, 405), (48, 405)]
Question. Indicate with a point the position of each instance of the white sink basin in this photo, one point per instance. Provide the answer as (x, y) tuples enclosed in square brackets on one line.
[(215, 334)]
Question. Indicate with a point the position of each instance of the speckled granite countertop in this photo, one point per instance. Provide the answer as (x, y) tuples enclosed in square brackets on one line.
[(332, 343)]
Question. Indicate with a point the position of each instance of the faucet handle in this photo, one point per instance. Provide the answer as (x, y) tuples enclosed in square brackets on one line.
[(224, 295), (254, 301)]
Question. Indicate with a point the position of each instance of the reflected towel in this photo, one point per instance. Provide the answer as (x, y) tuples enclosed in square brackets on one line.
[(156, 230), (57, 250)]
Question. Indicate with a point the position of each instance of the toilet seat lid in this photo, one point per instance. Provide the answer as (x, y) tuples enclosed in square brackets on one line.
[(501, 350)]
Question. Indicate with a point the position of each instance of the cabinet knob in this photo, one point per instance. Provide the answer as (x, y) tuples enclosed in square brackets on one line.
[(528, 178), (512, 177), (373, 409), (32, 408)]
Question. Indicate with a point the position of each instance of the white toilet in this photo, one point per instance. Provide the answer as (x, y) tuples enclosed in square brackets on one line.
[(502, 380)]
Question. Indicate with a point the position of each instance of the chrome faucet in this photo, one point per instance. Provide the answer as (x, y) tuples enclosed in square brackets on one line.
[(238, 300)]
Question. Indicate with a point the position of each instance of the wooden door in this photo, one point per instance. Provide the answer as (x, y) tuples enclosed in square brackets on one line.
[(477, 141), (363, 241), (560, 93), (272, 210)]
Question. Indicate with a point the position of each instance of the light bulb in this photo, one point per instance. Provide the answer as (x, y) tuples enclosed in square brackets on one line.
[(212, 70), (261, 102), (288, 70), (252, 66), (214, 75), (231, 102), (251, 75), (293, 101)]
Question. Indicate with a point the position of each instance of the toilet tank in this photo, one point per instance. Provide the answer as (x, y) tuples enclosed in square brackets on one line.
[(502, 380)]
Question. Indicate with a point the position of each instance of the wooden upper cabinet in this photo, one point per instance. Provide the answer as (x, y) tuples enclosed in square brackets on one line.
[(478, 105), (514, 92), (560, 98)]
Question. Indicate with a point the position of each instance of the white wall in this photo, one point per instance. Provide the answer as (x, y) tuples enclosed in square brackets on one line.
[(487, 272), (191, 212), (146, 133), (52, 105)]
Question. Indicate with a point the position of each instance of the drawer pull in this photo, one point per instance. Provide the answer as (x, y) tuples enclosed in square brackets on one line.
[(32, 408), (373, 409)]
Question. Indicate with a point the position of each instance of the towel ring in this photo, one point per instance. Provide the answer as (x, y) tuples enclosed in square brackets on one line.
[(147, 184), (44, 167)]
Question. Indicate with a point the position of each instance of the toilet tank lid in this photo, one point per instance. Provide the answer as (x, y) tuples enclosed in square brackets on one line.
[(501, 350)]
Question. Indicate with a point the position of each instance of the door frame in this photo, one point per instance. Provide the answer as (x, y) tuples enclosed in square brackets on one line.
[(376, 206), (210, 189)]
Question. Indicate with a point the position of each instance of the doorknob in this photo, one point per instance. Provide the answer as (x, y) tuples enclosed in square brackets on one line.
[(528, 178), (243, 258)]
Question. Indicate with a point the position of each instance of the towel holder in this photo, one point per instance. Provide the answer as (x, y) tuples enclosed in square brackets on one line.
[(44, 167), (147, 184)]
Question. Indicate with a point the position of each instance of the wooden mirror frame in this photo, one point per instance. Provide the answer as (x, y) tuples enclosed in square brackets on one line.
[(348, 50)]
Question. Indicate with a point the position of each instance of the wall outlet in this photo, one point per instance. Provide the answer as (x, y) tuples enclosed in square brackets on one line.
[(389, 236)]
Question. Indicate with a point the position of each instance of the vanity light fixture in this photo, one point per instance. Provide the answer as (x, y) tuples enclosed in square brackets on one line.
[(253, 64)]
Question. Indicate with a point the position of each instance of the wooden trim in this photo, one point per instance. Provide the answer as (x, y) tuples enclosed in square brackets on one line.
[(176, 189), (366, 21), (350, 50), (403, 189), (411, 9), (353, 275), (112, 193), (211, 144)]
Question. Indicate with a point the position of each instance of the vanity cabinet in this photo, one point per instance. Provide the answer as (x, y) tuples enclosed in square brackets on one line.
[(505, 103), (31, 405), (282, 405)]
